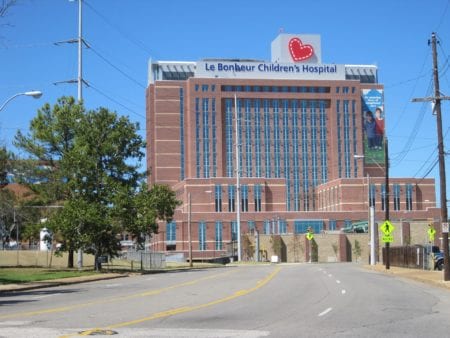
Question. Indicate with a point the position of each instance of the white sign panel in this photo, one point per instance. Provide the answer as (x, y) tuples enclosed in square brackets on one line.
[(269, 70), (444, 227)]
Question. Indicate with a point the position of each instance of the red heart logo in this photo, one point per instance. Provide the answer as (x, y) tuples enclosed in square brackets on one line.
[(299, 51)]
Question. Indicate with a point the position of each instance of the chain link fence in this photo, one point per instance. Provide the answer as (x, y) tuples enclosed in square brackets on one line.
[(147, 260)]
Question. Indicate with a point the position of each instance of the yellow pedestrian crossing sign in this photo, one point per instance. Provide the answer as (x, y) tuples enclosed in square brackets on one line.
[(431, 232), (387, 228), (309, 235), (387, 239)]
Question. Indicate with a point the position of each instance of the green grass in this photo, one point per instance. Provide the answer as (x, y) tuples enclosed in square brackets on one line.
[(24, 275)]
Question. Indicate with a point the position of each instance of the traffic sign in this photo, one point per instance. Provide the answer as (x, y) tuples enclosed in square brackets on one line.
[(387, 227), (309, 236), (444, 227), (431, 232), (387, 239)]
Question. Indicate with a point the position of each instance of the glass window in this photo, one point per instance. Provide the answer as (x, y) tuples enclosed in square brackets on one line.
[(219, 236), (267, 227), (372, 192), (231, 198), (218, 198), (251, 226), (301, 226), (396, 197), (257, 195), (202, 236), (233, 230), (332, 224), (244, 198), (409, 196), (171, 232)]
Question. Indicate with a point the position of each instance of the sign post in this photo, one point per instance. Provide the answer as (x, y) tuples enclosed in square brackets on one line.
[(387, 228), (431, 232), (310, 237)]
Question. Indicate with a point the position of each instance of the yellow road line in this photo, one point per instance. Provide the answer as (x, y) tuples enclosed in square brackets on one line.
[(176, 311), (113, 299)]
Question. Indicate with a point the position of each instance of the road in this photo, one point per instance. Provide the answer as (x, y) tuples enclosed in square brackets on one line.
[(301, 300)]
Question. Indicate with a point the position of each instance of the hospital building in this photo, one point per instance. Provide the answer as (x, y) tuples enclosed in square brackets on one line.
[(294, 129)]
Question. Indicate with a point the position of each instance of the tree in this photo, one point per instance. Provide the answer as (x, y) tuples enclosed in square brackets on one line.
[(91, 166), (357, 250), (147, 206), (50, 142)]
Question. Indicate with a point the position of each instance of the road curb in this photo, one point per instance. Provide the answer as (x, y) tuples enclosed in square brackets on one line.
[(57, 282), (429, 277)]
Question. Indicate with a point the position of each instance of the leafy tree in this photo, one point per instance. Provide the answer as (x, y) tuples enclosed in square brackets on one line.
[(50, 142), (90, 163), (357, 249), (147, 206)]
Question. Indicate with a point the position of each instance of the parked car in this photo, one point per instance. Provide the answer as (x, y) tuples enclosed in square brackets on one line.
[(359, 227), (438, 258)]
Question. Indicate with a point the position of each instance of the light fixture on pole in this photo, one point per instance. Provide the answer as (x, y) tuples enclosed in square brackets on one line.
[(238, 177), (34, 93), (191, 264)]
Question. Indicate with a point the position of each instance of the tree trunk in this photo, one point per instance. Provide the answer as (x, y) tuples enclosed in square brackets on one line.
[(70, 259), (98, 263)]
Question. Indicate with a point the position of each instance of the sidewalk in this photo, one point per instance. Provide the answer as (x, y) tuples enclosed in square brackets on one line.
[(435, 278), (58, 282)]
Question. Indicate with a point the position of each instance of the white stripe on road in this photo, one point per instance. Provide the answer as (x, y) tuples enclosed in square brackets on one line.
[(42, 296), (338, 281), (323, 313), (343, 292)]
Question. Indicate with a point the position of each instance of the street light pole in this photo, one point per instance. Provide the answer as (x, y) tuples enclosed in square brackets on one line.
[(386, 163), (370, 217), (191, 264), (238, 177), (34, 93)]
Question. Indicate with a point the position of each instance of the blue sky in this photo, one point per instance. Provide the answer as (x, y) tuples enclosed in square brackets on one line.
[(125, 34)]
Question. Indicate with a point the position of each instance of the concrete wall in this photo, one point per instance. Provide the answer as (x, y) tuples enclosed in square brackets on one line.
[(39, 258), (339, 247)]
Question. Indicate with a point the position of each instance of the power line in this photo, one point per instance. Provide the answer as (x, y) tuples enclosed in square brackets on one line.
[(114, 100), (414, 131), (444, 13), (135, 41), (421, 74), (405, 81), (117, 68)]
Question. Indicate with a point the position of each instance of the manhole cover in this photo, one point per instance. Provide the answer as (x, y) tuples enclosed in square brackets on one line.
[(98, 332)]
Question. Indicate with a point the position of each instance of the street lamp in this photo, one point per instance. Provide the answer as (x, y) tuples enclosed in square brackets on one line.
[(386, 199), (34, 93), (371, 218), (238, 177)]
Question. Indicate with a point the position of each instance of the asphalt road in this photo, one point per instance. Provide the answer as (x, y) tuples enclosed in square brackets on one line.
[(318, 300)]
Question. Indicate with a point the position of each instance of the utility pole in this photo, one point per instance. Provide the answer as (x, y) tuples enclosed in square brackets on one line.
[(437, 98), (80, 51), (386, 215), (80, 41), (79, 80)]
